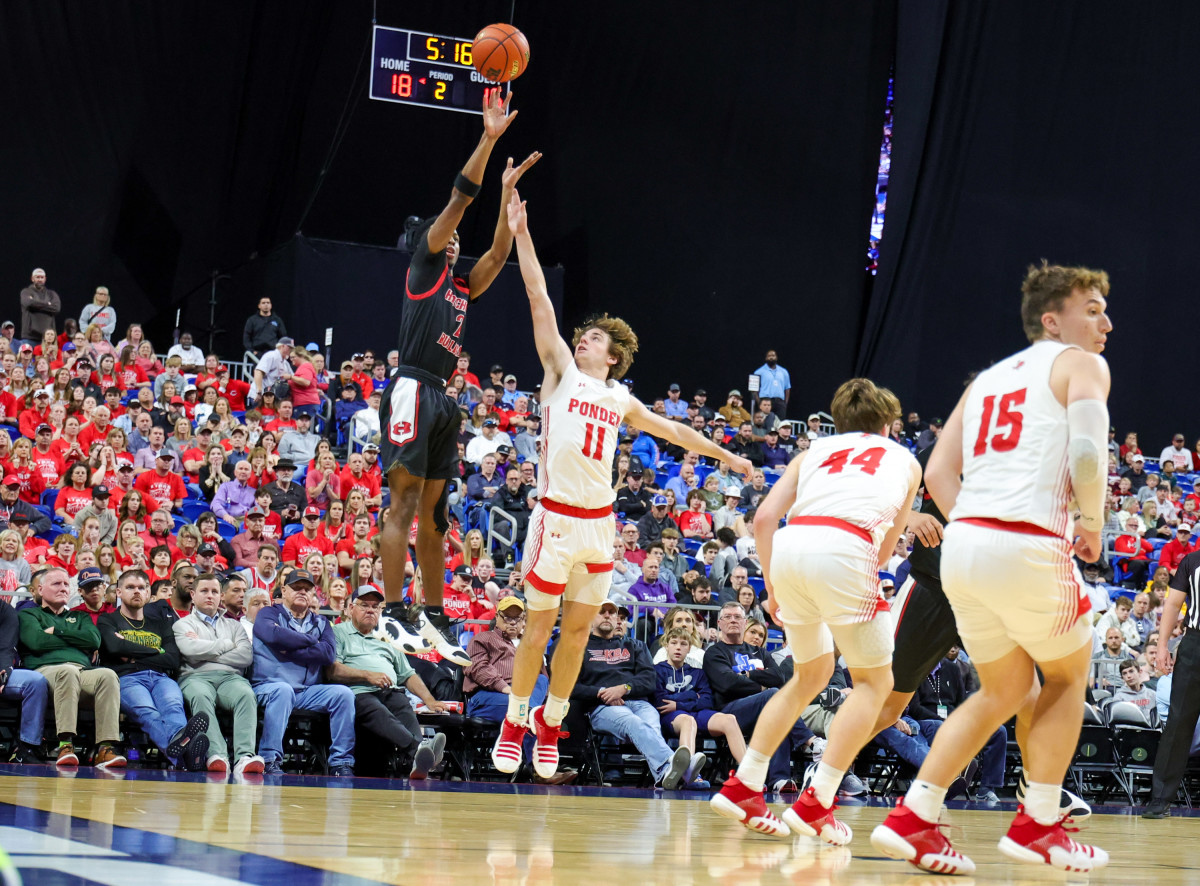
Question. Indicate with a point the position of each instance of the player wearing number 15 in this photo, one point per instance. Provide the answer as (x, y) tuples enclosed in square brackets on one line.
[(1027, 437), (569, 543), (419, 423), (845, 499)]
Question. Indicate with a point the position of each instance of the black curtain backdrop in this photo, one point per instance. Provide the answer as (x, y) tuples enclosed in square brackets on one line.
[(1030, 130), (708, 174)]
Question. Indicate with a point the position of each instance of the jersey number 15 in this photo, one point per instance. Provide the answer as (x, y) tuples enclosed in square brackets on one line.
[(1005, 415)]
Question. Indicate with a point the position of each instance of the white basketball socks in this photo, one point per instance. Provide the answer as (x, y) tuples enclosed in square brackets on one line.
[(518, 709)]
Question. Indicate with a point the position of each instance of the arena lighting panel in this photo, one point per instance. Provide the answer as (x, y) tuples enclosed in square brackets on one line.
[(430, 70)]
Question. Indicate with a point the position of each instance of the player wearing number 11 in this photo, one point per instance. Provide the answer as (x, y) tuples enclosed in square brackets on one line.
[(569, 544), (1027, 437)]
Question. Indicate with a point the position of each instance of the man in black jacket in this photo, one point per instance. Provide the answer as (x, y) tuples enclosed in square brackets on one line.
[(617, 683), (140, 647), (632, 499), (743, 679), (517, 499), (263, 329), (10, 504), (651, 525)]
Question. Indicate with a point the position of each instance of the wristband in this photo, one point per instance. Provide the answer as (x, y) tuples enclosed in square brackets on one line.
[(465, 186)]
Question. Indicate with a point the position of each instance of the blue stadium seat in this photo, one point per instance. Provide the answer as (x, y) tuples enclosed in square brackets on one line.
[(757, 582), (291, 529), (225, 530), (193, 509), (48, 499)]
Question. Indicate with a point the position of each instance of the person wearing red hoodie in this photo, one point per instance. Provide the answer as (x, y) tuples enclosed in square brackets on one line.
[(1176, 549)]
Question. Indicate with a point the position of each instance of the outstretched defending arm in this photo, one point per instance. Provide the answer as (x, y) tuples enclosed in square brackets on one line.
[(496, 120), (493, 260), (554, 353), (681, 435)]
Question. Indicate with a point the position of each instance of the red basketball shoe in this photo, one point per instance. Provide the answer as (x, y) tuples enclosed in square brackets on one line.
[(809, 818), (906, 836), (740, 803), (545, 743), (506, 753), (1035, 843)]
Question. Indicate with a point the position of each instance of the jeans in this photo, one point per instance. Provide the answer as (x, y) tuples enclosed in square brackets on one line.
[(33, 690), (493, 706), (746, 711), (278, 700), (638, 722), (155, 702), (913, 748)]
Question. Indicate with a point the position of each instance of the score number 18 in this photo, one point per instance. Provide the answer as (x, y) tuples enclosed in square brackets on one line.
[(402, 85)]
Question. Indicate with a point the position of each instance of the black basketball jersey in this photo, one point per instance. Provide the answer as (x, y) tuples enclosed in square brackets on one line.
[(926, 563), (433, 321)]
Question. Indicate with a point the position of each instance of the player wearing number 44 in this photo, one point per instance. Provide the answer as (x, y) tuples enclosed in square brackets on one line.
[(569, 543)]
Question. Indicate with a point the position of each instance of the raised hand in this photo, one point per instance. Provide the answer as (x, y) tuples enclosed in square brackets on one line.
[(518, 218), (511, 176), (496, 117), (741, 466)]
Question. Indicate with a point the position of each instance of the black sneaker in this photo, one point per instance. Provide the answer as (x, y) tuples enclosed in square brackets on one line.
[(273, 767), (1157, 809), (23, 753), (184, 747), (1069, 804)]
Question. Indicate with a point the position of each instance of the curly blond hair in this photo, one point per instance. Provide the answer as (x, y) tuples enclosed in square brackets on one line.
[(622, 341)]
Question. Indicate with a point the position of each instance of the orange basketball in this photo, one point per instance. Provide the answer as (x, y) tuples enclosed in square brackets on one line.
[(500, 53)]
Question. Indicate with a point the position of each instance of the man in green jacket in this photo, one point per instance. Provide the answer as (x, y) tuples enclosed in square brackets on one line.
[(60, 645)]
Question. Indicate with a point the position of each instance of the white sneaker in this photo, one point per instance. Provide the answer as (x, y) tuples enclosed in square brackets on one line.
[(249, 766), (446, 647), (217, 763), (402, 636)]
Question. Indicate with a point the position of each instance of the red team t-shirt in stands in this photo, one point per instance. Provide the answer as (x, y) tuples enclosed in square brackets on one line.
[(164, 489), (8, 407), (695, 521), (72, 500), (90, 433), (31, 482), (132, 375), (49, 467), (298, 548), (367, 483), (35, 550)]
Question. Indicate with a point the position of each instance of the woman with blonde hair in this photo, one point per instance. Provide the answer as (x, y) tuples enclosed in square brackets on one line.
[(14, 568), (471, 552), (315, 564), (678, 617), (322, 483), (106, 562), (97, 345)]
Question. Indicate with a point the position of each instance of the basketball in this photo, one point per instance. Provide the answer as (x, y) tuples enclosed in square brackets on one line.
[(500, 53)]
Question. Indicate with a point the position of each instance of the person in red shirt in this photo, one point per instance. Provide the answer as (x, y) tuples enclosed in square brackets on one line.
[(75, 494), (160, 533), (694, 522), (463, 368), (20, 464), (112, 402), (35, 549), (300, 545), (334, 527), (96, 429), (129, 372), (207, 377), (349, 549), (194, 456), (68, 447), (458, 594), (9, 411), (233, 390), (273, 525), (1137, 551), (1129, 447), (283, 420), (371, 465), (62, 554), (360, 376), (1176, 549), (354, 476), (48, 465), (38, 413), (106, 375), (161, 484)]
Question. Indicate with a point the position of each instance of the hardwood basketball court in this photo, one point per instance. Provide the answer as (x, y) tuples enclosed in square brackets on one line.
[(166, 828)]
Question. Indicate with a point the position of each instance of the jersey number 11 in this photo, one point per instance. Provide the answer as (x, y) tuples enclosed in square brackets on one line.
[(597, 432)]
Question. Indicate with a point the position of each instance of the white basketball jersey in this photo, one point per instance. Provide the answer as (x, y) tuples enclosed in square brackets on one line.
[(1015, 444), (860, 478), (579, 437)]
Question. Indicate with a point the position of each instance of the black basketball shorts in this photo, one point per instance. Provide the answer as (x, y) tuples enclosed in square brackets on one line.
[(418, 424), (925, 631)]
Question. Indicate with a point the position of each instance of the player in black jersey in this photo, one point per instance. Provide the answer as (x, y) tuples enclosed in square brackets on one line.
[(925, 630), (418, 422)]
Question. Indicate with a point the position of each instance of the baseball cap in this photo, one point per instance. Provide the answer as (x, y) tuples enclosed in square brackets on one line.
[(1185, 527), (312, 346), (167, 454), (358, 356), (44, 428), (1139, 458), (312, 511), (489, 423), (508, 602), (733, 492), (814, 415), (206, 550), (509, 377), (700, 392), (464, 570), (291, 343), (125, 466), (300, 575), (90, 575), (735, 393), (366, 591), (936, 422), (12, 480), (255, 512), (18, 517), (203, 430), (887, 580), (303, 416), (496, 367), (504, 449), (659, 501), (774, 431), (718, 417), (176, 400), (8, 323), (371, 447), (610, 602), (100, 491), (29, 347), (41, 392), (635, 464), (673, 388)]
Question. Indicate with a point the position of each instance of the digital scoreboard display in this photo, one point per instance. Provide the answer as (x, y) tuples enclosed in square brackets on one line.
[(432, 70)]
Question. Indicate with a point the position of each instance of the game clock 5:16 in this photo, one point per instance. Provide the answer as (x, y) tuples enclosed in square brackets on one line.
[(444, 50)]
